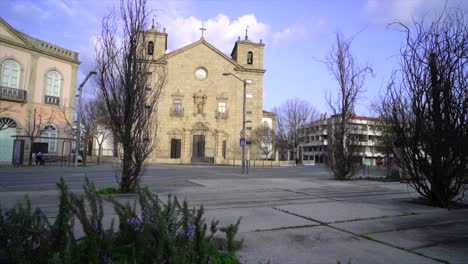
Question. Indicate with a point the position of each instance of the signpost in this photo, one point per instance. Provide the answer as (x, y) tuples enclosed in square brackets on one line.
[(242, 142)]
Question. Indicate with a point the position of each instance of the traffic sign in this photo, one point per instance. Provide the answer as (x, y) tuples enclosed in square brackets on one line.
[(242, 142), (242, 133)]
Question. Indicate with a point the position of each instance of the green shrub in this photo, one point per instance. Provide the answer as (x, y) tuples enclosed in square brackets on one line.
[(147, 231), (109, 190)]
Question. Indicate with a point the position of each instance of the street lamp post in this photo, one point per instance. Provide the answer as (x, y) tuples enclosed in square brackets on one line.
[(78, 119), (245, 82)]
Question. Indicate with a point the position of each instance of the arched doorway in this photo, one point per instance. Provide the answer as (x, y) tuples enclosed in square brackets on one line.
[(7, 131)]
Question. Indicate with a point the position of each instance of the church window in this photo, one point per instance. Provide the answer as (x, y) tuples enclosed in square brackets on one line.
[(175, 148), (50, 134), (177, 107), (222, 107), (10, 74), (249, 57), (224, 149), (150, 48)]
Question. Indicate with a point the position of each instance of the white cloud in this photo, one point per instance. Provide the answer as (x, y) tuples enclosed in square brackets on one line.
[(299, 29), (220, 30)]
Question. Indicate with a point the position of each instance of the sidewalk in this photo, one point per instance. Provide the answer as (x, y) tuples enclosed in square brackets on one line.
[(308, 220)]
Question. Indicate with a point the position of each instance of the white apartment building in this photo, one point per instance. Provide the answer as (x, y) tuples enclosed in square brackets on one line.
[(313, 141)]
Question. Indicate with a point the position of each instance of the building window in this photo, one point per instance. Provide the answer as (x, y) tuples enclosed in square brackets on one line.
[(249, 57), (150, 48), (224, 149), (177, 109), (50, 136), (175, 148), (222, 112), (53, 84), (222, 107), (10, 74)]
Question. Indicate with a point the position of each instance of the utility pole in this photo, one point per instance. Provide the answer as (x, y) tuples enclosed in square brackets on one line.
[(245, 82), (78, 119)]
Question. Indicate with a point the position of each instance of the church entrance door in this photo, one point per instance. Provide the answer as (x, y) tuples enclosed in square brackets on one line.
[(198, 148)]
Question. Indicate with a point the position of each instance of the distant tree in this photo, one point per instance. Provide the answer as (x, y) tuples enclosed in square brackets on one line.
[(350, 76), (263, 137), (290, 116), (426, 105), (36, 121), (130, 93)]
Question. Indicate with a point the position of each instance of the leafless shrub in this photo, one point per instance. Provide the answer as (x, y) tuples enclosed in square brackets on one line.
[(426, 104)]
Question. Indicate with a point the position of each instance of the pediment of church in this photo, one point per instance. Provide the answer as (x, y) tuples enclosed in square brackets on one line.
[(209, 48)]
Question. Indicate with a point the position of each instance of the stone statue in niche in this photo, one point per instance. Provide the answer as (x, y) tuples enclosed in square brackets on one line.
[(199, 100)]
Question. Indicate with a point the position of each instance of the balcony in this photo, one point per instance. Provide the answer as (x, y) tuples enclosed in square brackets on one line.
[(12, 94), (221, 115), (177, 111), (53, 100)]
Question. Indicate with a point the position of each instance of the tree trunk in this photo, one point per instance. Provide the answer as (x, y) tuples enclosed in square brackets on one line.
[(99, 153)]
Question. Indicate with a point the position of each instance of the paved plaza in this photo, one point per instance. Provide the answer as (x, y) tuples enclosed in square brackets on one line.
[(289, 215)]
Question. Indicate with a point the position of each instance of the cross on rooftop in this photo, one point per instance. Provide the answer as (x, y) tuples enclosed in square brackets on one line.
[(202, 29)]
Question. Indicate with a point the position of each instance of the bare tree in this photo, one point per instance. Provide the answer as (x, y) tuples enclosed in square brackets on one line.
[(263, 137), (426, 104), (124, 81), (350, 76), (37, 119), (102, 129), (290, 116)]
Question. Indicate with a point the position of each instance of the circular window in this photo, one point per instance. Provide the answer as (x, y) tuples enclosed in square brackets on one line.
[(201, 73)]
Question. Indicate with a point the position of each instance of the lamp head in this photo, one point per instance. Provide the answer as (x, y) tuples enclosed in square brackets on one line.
[(92, 72)]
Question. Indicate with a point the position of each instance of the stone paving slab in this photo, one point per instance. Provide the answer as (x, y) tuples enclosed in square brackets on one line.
[(454, 252), (259, 218), (331, 212), (426, 236), (320, 245), (438, 217)]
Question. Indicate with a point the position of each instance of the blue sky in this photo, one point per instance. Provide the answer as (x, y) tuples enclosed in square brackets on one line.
[(296, 34)]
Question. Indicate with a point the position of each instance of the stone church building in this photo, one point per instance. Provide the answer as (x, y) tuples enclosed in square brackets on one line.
[(200, 110)]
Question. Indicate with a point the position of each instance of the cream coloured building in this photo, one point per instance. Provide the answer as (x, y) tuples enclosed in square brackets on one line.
[(34, 74), (200, 110)]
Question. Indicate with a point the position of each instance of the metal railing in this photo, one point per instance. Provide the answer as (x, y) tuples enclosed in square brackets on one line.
[(52, 100), (12, 94), (222, 115), (177, 111)]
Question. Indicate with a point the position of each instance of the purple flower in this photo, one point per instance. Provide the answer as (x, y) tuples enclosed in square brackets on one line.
[(95, 225), (136, 223), (190, 232), (144, 214)]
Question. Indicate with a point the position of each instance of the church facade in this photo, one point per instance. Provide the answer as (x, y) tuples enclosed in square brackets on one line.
[(199, 114)]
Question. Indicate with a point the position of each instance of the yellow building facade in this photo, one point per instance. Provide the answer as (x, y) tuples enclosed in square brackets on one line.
[(37, 79), (200, 110)]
